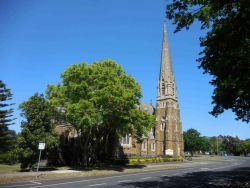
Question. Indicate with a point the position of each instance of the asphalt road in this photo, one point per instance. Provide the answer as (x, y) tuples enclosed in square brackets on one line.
[(224, 173)]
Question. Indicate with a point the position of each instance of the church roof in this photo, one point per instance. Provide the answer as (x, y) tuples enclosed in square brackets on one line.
[(147, 108)]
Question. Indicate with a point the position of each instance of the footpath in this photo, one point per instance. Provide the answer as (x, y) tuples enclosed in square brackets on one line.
[(63, 173)]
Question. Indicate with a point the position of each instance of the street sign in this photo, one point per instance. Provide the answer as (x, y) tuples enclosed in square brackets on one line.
[(169, 152), (41, 146)]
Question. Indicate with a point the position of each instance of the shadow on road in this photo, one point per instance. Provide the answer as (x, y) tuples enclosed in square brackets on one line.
[(238, 177), (119, 168)]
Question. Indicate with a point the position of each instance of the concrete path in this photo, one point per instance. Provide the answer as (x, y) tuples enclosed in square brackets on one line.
[(65, 171)]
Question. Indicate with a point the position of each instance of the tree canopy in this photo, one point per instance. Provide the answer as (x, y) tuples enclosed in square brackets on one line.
[(6, 135), (225, 54), (101, 101), (232, 145), (36, 127), (194, 142)]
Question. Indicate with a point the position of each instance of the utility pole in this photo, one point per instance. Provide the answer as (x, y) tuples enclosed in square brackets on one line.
[(217, 145)]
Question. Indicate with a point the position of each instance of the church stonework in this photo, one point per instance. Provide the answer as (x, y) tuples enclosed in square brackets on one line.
[(166, 138)]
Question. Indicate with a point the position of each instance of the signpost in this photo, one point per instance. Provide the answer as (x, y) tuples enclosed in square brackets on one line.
[(169, 152), (41, 146)]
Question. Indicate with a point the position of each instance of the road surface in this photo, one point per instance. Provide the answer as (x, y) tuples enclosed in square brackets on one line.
[(211, 173)]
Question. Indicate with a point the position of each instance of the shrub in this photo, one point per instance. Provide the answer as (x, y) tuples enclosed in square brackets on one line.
[(140, 160)]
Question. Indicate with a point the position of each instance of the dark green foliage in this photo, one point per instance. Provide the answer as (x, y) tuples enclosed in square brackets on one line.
[(226, 47), (5, 118), (8, 154), (7, 137), (100, 101), (69, 150), (193, 142), (233, 145), (204, 144), (36, 128), (230, 145)]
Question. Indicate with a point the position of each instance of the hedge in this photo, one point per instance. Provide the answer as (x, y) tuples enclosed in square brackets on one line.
[(143, 160)]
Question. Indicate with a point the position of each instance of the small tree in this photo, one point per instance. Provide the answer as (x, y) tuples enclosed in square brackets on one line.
[(204, 144), (36, 128), (191, 140), (194, 142)]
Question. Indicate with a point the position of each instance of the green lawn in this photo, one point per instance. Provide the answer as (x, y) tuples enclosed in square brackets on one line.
[(8, 169)]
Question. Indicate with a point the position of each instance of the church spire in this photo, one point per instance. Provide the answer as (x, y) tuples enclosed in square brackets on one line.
[(166, 84), (166, 67)]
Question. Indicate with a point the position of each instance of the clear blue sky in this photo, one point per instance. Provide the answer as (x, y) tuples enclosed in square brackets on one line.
[(39, 39)]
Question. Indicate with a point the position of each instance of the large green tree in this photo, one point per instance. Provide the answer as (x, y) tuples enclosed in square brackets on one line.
[(233, 145), (225, 54), (37, 127), (100, 100), (6, 135), (194, 142)]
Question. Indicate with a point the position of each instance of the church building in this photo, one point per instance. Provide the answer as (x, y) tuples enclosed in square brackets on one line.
[(166, 138)]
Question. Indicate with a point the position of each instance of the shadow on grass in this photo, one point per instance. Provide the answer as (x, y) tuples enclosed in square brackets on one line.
[(238, 177), (46, 169)]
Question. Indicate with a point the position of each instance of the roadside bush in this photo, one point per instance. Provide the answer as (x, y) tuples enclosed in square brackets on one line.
[(139, 160), (136, 160), (8, 158)]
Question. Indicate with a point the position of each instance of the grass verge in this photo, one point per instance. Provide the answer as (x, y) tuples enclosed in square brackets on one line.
[(84, 173), (9, 169)]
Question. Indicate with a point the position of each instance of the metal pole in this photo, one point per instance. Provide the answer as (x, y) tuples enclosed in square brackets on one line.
[(38, 163), (217, 145)]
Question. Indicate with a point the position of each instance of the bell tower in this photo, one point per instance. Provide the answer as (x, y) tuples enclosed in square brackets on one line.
[(168, 124)]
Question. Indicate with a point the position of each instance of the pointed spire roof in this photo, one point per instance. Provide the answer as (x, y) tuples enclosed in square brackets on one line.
[(166, 84), (166, 68)]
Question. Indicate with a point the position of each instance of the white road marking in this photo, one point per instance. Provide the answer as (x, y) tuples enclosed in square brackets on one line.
[(97, 184), (21, 185), (122, 181), (146, 178), (173, 174), (35, 182), (177, 173), (204, 168)]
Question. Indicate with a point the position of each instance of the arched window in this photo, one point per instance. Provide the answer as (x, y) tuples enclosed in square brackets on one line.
[(163, 88), (125, 141), (152, 146)]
